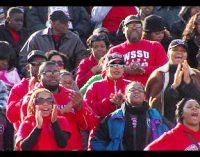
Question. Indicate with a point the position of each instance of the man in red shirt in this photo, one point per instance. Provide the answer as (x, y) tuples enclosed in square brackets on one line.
[(141, 56)]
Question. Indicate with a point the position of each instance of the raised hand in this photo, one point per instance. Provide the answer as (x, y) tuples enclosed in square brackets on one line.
[(38, 117), (185, 69), (134, 68), (117, 99), (54, 114), (177, 77), (96, 69), (76, 98)]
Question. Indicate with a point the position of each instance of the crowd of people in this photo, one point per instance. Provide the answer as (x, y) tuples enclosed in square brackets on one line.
[(100, 78)]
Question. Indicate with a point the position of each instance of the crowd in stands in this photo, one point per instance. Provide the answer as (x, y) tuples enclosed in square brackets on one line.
[(99, 78)]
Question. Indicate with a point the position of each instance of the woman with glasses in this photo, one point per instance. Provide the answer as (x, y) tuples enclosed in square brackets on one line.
[(191, 36), (132, 126), (186, 134), (99, 44), (42, 129)]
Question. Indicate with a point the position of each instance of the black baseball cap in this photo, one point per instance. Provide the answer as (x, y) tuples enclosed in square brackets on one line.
[(59, 15), (177, 42), (34, 53), (131, 18)]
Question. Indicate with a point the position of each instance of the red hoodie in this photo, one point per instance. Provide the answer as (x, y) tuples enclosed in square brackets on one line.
[(46, 139), (175, 139), (150, 54), (83, 119), (84, 70), (97, 96), (14, 102)]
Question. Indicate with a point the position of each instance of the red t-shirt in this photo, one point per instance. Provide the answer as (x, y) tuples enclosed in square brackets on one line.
[(46, 139)]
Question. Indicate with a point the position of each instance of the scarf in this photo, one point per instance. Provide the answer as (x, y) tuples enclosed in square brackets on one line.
[(137, 141)]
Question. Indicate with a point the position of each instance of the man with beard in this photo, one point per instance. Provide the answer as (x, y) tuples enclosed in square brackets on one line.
[(141, 56), (69, 103), (55, 37)]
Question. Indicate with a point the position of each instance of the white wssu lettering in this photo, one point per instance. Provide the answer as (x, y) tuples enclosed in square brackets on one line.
[(137, 56)]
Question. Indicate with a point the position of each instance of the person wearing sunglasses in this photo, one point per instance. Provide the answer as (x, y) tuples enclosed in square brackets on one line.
[(69, 104), (43, 129), (99, 45), (107, 94), (34, 59)]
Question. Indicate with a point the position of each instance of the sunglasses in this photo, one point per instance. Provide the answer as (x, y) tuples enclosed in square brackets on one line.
[(59, 63), (134, 25), (51, 73), (116, 65), (41, 101), (36, 63)]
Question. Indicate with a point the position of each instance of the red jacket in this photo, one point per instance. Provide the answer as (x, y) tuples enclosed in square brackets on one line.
[(83, 119), (14, 102), (150, 54), (97, 96), (84, 70), (46, 139), (175, 139)]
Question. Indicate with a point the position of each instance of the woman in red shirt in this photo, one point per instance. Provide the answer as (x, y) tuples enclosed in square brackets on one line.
[(186, 134), (42, 129)]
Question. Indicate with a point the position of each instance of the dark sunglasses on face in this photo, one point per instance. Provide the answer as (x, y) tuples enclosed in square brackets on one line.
[(116, 65), (36, 63), (41, 101), (59, 63), (51, 73)]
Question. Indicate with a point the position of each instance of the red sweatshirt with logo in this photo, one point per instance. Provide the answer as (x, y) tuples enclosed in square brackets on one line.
[(150, 54)]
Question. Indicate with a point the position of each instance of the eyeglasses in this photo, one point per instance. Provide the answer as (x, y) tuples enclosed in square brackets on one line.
[(116, 65), (141, 90), (134, 25), (51, 73), (36, 63), (59, 63), (41, 101)]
